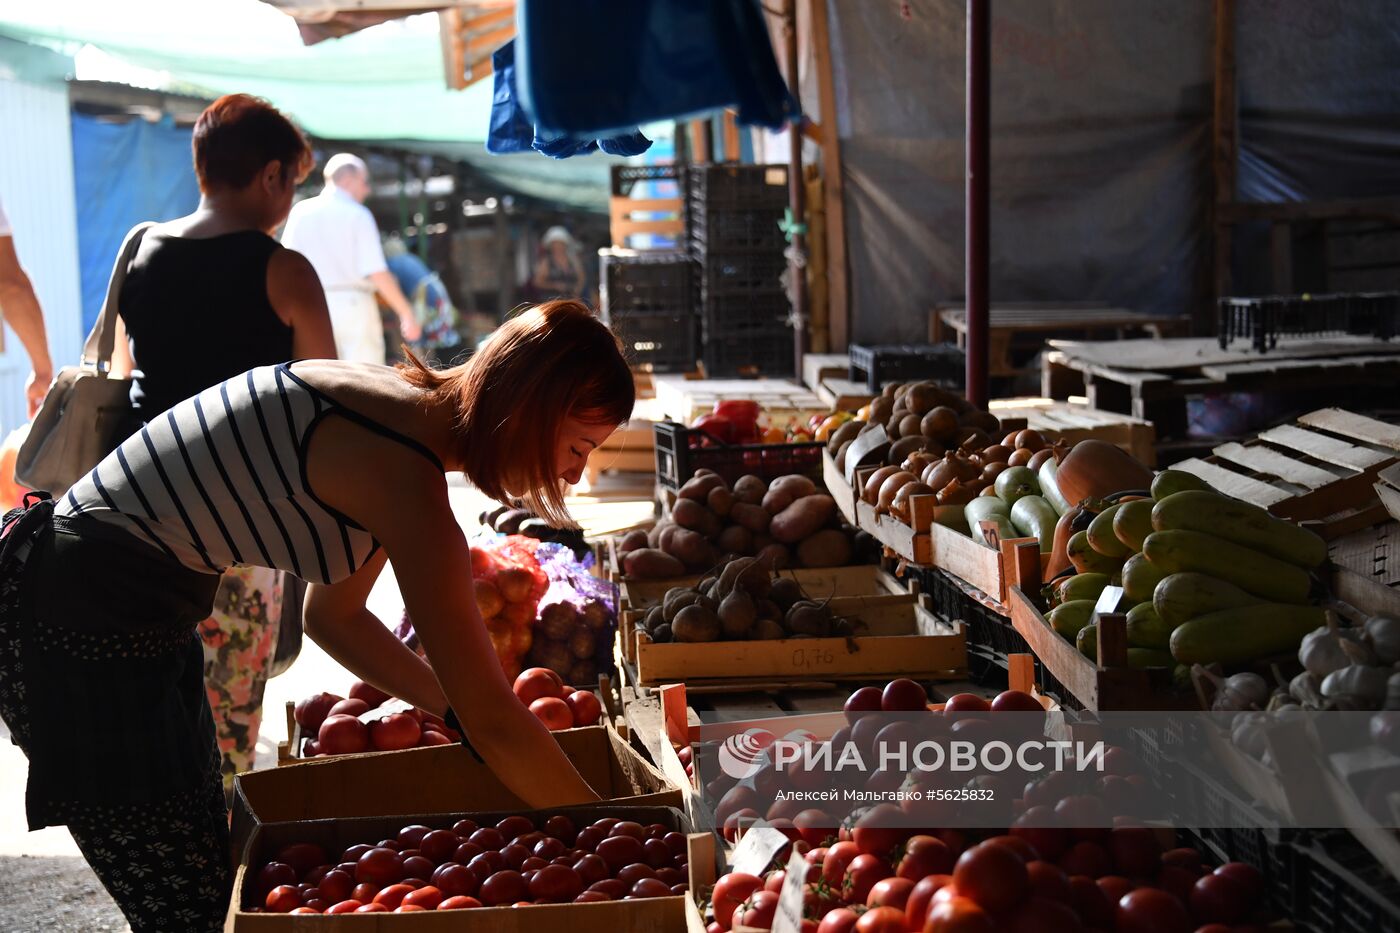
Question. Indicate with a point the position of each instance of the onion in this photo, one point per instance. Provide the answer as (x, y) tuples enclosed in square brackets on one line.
[(899, 506), (1009, 441), (941, 473), (957, 493), (965, 468), (892, 484), (1039, 457), (872, 485), (1030, 439), (919, 461), (993, 470), (1019, 457), (997, 453)]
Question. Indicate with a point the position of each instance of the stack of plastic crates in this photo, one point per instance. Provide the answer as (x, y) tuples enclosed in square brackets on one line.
[(647, 299), (732, 220), (1263, 320)]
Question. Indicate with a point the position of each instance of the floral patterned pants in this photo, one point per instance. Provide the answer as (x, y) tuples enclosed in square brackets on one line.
[(239, 639)]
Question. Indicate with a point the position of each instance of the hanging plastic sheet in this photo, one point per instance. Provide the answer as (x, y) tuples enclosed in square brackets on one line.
[(588, 68)]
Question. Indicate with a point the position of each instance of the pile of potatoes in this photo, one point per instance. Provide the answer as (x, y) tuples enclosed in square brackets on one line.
[(918, 417), (745, 602), (573, 639), (786, 523)]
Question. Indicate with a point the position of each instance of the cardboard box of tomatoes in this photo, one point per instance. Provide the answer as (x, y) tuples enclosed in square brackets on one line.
[(591, 868), (443, 779)]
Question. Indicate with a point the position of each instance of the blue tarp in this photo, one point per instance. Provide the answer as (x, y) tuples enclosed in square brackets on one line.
[(124, 173)]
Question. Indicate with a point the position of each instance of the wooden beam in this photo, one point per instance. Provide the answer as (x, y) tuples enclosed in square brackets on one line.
[(732, 149), (702, 144), (453, 48), (488, 42), (837, 274), (1224, 153), (1343, 209), (486, 21)]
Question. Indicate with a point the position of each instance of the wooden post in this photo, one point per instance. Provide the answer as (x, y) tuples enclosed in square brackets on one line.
[(1224, 156), (797, 194), (978, 239), (702, 143), (833, 198), (1113, 640), (1028, 567), (1020, 672), (732, 147)]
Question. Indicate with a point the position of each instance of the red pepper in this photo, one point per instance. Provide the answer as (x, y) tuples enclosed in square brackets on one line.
[(717, 426), (738, 410)]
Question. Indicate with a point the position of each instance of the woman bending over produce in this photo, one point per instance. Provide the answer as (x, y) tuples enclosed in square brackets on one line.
[(320, 468)]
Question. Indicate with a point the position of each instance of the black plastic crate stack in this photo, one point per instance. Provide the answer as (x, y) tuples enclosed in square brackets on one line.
[(732, 218), (647, 299), (1263, 320)]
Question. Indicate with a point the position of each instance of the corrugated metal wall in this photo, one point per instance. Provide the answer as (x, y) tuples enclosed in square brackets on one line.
[(36, 185)]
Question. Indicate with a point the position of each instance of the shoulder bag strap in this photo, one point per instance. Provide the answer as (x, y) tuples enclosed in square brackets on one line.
[(98, 348)]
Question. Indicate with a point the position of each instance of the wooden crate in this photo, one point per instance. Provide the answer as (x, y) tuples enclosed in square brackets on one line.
[(630, 449), (1073, 422), (902, 639), (974, 563), (817, 367), (782, 400), (844, 394), (864, 580), (1323, 468), (840, 490), (910, 541)]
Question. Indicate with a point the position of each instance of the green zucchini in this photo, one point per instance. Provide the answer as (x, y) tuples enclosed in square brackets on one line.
[(1241, 523), (1168, 482), (992, 509), (1050, 486), (1132, 523), (1245, 633), (1087, 560), (1180, 597), (1102, 538), (1140, 579), (1254, 572), (1149, 657), (1087, 641), (1033, 516), (1068, 618), (1146, 629), (1083, 586)]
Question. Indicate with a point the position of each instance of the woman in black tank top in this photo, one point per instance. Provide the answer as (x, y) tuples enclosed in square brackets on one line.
[(207, 297)]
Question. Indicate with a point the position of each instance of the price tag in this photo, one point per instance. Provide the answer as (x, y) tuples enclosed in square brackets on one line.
[(388, 707), (1108, 600), (757, 848), (863, 448), (788, 917)]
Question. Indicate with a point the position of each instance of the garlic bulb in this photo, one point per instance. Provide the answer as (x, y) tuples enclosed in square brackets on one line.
[(1245, 691), (1384, 634), (1307, 690), (1321, 650), (1365, 687), (1392, 693), (1247, 731)]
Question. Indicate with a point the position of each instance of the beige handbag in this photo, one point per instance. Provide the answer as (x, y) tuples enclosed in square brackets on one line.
[(87, 412)]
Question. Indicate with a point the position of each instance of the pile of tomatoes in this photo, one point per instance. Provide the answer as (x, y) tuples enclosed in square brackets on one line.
[(513, 863), (347, 725), (1121, 880)]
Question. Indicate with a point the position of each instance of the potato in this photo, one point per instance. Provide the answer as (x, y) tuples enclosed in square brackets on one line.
[(516, 615), (699, 486), (691, 548), (801, 519), (846, 432), (654, 533), (583, 643), (761, 540), (583, 673), (696, 624), (799, 484), (651, 564), (553, 655), (689, 514), (905, 446), (596, 615), (753, 517), (667, 534), (631, 541), (775, 557), (880, 409), (558, 621), (720, 501), (736, 539), (515, 584), (829, 547), (841, 456), (749, 488), (488, 598)]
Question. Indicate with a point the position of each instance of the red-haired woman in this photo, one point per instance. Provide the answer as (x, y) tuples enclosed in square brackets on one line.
[(208, 296), (321, 468)]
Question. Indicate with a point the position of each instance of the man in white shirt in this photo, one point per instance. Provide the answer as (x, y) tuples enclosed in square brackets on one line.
[(337, 233), (21, 311)]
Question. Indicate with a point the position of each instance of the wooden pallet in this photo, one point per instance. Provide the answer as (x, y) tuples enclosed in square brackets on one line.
[(1323, 468), (1365, 568), (781, 399), (630, 449)]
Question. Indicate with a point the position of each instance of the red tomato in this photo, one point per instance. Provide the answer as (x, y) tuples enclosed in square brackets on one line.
[(393, 895), (1184, 857), (1048, 881), (345, 907), (840, 920), (1091, 903), (992, 875), (814, 826), (553, 712), (1177, 881), (818, 900), (379, 866), (730, 891), (428, 898), (958, 915), (591, 868), (364, 893), (488, 838), (658, 854), (1085, 858), (1219, 898), (550, 848), (650, 887), (585, 706), (409, 909), (372, 908), (773, 881), (890, 892), (274, 874), (394, 732), (1115, 887), (349, 707), (865, 700), (1039, 915), (758, 913), (924, 856), (620, 851), (1148, 910), (439, 845), (916, 908), (431, 738), (635, 872), (587, 897), (1015, 701), (504, 887), (967, 703), (416, 866), (464, 828), (613, 888), (628, 828), (459, 902), (838, 858), (864, 872), (343, 735), (302, 856), (1246, 875), (305, 910), (1135, 851), (1048, 841), (881, 920), (1016, 844), (371, 694), (903, 695), (513, 826), (515, 855), (455, 880), (336, 885), (556, 884), (282, 899), (562, 828), (538, 682), (877, 832), (487, 864)]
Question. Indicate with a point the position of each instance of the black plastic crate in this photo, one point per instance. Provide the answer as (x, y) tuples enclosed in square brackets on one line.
[(740, 275), (1339, 887), (740, 316), (663, 343), (712, 229), (645, 282), (625, 177), (877, 365), (730, 348), (1263, 320), (738, 187), (679, 455)]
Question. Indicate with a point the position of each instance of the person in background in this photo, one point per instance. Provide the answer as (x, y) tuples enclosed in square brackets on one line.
[(432, 306), (338, 234), (209, 296), (559, 273), (21, 311)]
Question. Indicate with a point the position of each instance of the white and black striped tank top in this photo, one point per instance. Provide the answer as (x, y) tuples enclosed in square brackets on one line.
[(220, 479)]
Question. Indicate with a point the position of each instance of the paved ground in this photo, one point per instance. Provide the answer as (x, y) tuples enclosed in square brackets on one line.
[(45, 884)]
